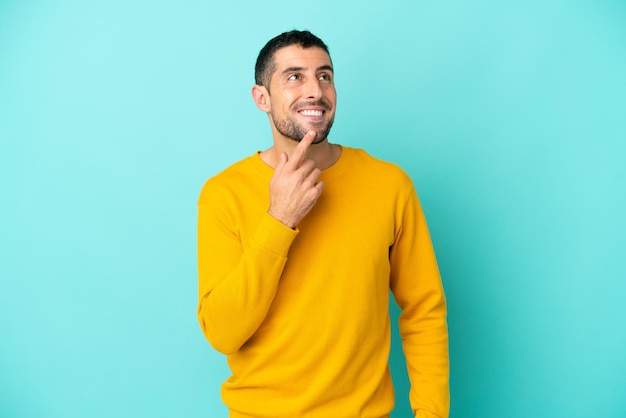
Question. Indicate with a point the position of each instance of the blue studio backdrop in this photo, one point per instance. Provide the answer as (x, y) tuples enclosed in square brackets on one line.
[(509, 116)]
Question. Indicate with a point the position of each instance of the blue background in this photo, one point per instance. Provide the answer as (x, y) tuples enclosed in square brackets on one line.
[(509, 116)]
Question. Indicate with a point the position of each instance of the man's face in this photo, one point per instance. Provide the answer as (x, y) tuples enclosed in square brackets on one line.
[(302, 93)]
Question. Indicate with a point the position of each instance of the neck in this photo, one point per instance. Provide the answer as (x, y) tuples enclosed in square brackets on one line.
[(324, 154)]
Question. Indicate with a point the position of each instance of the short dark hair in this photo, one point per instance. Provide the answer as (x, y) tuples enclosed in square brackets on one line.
[(265, 64)]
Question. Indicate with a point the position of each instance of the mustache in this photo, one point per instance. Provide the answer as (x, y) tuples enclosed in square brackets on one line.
[(321, 103)]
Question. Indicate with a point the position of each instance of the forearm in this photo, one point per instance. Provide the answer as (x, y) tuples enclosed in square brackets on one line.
[(426, 353), (424, 332), (237, 282)]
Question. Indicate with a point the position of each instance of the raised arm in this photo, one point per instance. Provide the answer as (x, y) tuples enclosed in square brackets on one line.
[(238, 278)]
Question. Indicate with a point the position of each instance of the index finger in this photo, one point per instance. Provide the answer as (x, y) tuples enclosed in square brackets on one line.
[(302, 147)]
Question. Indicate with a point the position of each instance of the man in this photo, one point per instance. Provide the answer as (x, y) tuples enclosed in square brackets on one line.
[(298, 247)]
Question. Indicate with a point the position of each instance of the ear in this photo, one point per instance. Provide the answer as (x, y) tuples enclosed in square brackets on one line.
[(261, 98)]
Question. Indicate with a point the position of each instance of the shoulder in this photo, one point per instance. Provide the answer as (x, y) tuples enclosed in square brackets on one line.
[(367, 165), (229, 179)]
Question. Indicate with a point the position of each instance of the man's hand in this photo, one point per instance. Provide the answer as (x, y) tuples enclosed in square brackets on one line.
[(294, 188)]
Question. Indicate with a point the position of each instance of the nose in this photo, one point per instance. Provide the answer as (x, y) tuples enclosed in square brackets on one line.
[(313, 89)]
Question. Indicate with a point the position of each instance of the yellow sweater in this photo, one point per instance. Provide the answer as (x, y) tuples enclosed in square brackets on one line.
[(303, 314)]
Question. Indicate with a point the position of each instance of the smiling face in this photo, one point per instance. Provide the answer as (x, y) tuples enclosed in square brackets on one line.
[(302, 93)]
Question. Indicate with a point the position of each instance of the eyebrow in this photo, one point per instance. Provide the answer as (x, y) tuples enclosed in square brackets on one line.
[(297, 69)]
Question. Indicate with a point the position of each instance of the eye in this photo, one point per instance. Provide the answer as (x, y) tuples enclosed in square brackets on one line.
[(324, 77), (293, 77)]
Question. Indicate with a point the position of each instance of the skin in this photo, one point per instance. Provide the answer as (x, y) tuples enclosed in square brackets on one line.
[(302, 83)]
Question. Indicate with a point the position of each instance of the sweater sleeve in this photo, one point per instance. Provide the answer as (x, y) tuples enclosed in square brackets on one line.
[(237, 280), (418, 290)]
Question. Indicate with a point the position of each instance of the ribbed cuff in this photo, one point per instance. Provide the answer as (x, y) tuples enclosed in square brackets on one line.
[(274, 236)]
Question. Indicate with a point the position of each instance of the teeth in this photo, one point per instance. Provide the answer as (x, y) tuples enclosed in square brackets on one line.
[(311, 112)]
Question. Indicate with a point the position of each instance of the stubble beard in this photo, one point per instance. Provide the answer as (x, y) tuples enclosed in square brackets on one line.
[(291, 129)]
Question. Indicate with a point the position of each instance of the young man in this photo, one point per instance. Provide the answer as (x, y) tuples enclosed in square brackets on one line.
[(298, 247)]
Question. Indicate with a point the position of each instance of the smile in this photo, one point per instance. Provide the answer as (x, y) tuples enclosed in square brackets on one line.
[(311, 112)]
